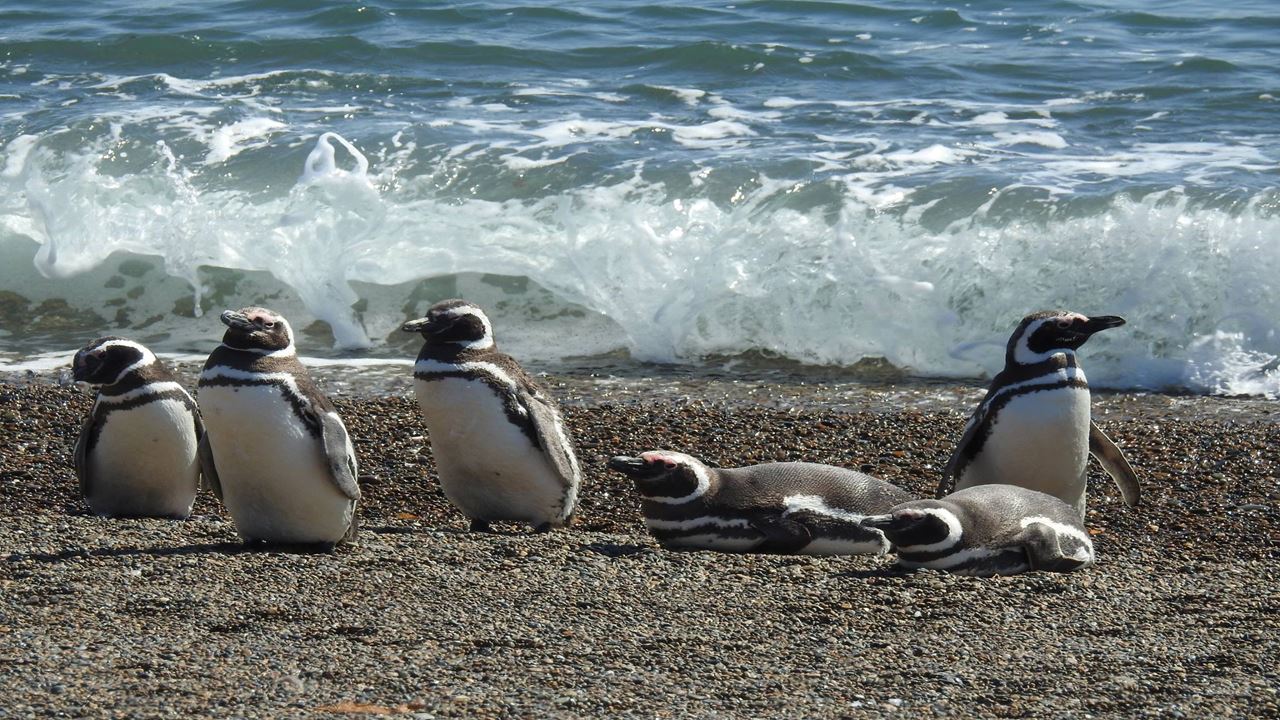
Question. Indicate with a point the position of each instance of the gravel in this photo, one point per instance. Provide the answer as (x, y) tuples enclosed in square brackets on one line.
[(141, 618)]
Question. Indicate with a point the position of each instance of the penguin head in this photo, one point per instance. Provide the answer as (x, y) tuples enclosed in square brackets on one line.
[(924, 525), (456, 322), (108, 359), (664, 474), (257, 329), (1041, 335)]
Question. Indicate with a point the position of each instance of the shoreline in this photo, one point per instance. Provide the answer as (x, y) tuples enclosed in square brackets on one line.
[(171, 619), (840, 390)]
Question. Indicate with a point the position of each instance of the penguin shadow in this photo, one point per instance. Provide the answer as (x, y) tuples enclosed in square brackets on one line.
[(222, 548), (615, 550), (882, 572)]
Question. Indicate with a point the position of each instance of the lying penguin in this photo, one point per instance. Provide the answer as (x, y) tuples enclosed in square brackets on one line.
[(784, 508), (987, 530)]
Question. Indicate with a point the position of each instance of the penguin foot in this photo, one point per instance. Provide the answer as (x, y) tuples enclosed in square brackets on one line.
[(480, 526), (545, 527)]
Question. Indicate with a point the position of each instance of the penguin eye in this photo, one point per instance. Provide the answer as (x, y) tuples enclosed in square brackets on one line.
[(670, 465), (268, 324), (1063, 324)]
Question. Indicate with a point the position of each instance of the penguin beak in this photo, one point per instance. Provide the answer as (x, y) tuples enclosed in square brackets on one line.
[(237, 320), (879, 522), (630, 466), (427, 326), (892, 524), (1102, 322)]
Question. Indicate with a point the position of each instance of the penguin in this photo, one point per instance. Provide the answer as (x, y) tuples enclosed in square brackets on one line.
[(499, 442), (782, 508), (987, 530), (137, 451), (1033, 428), (275, 452)]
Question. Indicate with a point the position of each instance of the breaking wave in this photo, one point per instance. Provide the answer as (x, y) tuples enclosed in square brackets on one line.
[(670, 267)]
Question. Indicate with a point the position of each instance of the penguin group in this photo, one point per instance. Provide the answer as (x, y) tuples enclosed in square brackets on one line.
[(274, 450)]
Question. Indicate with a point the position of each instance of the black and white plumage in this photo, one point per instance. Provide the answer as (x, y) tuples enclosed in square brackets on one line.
[(499, 442), (275, 451), (988, 530), (784, 508), (137, 452), (1034, 427)]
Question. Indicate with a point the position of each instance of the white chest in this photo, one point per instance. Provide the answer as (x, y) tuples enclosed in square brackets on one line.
[(144, 461), (275, 477), (489, 468), (1039, 440)]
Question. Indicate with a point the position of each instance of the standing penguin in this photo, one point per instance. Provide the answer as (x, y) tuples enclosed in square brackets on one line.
[(500, 446), (137, 452), (1034, 428), (276, 452), (783, 508), (987, 530)]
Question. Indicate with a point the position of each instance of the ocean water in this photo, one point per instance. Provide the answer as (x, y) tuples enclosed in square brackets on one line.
[(879, 184)]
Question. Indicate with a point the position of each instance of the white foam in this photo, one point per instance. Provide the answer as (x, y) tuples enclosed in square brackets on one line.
[(231, 140), (671, 274), (1045, 139), (933, 154), (688, 96), (707, 134)]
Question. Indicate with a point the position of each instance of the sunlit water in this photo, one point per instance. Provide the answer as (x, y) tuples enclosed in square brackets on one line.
[(809, 184)]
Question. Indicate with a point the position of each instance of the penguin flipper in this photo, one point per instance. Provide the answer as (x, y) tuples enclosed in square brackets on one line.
[(81, 456), (555, 443), (340, 453), (208, 470), (1114, 462), (951, 473), (781, 536)]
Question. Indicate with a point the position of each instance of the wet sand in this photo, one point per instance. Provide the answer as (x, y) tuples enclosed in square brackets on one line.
[(138, 618)]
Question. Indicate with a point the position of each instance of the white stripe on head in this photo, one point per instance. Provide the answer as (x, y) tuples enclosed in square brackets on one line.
[(954, 531), (1061, 529), (147, 358), (287, 351), (484, 342), (700, 472), (1022, 353)]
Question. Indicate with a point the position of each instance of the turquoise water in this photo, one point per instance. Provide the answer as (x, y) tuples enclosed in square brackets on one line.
[(822, 183)]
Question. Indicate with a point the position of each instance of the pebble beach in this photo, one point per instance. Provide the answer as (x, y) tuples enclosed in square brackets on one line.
[(151, 618)]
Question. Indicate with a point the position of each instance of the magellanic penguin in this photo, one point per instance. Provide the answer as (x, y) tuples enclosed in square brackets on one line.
[(1034, 428), (276, 451), (783, 508), (500, 445), (987, 530), (137, 452)]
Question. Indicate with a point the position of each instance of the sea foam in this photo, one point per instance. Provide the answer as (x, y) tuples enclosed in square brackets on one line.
[(827, 272)]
